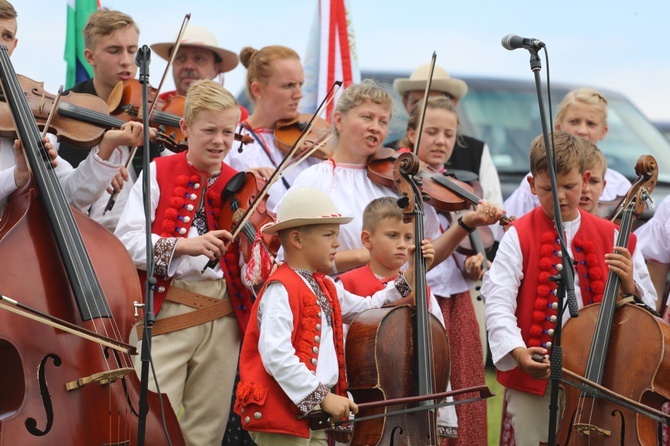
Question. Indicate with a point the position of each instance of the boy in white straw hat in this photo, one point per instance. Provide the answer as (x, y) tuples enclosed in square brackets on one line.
[(292, 356)]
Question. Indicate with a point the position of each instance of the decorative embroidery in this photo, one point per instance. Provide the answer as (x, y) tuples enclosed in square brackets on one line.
[(321, 298), (163, 251), (402, 286), (315, 397), (447, 431)]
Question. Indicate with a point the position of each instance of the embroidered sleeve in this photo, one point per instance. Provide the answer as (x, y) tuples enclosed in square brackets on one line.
[(163, 251), (402, 286), (315, 397)]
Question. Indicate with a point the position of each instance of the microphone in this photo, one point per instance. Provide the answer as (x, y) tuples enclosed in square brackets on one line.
[(143, 53), (512, 42)]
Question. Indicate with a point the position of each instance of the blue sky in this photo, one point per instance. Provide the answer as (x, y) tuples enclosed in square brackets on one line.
[(618, 45)]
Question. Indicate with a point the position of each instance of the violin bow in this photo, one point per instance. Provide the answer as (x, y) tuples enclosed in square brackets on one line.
[(426, 92), (54, 108), (173, 53)]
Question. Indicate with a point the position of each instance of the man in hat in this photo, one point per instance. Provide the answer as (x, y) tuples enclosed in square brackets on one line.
[(469, 153), (198, 57)]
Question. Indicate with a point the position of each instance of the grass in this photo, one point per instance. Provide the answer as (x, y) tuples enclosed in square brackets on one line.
[(494, 407)]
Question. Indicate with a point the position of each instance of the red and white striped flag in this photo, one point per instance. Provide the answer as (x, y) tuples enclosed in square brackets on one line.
[(331, 55)]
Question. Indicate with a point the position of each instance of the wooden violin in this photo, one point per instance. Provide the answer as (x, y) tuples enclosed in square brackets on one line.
[(287, 132)]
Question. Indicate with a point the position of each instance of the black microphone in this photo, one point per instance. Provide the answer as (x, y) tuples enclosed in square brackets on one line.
[(512, 42), (144, 52)]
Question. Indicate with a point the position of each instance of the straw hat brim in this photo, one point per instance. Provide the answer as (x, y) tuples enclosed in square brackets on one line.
[(452, 86), (230, 59), (297, 222)]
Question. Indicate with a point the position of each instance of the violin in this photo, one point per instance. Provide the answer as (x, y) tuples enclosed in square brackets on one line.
[(71, 124), (237, 197), (287, 132), (125, 102)]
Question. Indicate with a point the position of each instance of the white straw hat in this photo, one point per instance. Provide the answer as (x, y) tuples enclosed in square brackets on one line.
[(306, 206), (441, 82), (200, 37)]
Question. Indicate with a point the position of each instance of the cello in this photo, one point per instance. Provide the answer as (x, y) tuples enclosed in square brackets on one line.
[(626, 365), (378, 342), (59, 386)]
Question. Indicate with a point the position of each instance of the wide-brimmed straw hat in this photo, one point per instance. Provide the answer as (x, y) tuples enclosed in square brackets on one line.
[(306, 206), (441, 82), (202, 38)]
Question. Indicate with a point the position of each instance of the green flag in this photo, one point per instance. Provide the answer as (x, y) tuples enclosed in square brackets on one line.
[(78, 12)]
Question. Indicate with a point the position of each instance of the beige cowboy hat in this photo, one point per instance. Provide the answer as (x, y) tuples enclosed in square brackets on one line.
[(306, 206), (202, 38), (441, 82)]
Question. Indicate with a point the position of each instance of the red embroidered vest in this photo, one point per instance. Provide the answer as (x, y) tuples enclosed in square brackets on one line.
[(536, 302), (181, 188), (261, 402)]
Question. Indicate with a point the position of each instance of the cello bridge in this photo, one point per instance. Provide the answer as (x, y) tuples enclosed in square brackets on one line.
[(103, 378), (588, 429)]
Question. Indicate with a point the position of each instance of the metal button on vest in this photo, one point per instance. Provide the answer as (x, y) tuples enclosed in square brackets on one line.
[(559, 253), (247, 420), (550, 332), (315, 350), (314, 361), (318, 315), (257, 416), (552, 319), (548, 345), (559, 267), (317, 339), (318, 327), (554, 306)]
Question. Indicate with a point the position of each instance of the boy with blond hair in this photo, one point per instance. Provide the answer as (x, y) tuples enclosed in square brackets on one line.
[(200, 315)]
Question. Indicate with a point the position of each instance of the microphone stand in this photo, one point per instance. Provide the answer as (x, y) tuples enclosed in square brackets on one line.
[(142, 60), (565, 277)]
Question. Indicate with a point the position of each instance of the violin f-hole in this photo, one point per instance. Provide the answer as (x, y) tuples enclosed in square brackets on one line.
[(31, 423)]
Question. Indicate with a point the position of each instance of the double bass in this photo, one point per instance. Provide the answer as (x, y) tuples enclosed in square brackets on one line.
[(625, 368), (67, 377)]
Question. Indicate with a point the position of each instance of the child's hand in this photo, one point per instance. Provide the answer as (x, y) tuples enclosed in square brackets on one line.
[(485, 214), (621, 262), (428, 252), (525, 361), (209, 244), (130, 134), (263, 172), (338, 406), (118, 180), (21, 171), (473, 267)]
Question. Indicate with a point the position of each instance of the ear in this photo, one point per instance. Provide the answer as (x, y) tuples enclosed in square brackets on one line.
[(604, 133), (295, 239), (411, 135), (184, 127), (366, 239), (256, 89), (88, 55), (337, 120), (585, 178), (531, 182)]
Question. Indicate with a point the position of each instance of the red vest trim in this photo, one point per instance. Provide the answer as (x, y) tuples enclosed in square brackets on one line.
[(181, 186), (260, 401)]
